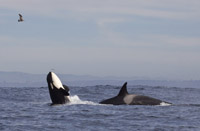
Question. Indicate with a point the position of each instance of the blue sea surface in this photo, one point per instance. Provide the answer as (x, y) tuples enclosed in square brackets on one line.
[(28, 109)]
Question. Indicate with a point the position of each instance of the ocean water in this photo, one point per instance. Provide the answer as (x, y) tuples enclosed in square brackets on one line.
[(28, 109)]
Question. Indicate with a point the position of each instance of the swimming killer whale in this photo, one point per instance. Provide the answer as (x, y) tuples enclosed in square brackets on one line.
[(124, 98), (59, 93)]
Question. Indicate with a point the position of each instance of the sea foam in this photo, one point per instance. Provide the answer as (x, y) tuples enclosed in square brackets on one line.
[(164, 104), (76, 100)]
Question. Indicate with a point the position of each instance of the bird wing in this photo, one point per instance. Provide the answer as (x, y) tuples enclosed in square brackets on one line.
[(20, 17)]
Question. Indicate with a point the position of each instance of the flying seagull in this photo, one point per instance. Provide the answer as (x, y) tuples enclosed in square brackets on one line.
[(20, 18)]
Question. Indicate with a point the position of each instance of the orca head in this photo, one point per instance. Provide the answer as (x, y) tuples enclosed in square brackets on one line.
[(53, 81)]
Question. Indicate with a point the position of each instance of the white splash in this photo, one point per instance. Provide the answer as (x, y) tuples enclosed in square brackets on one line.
[(164, 104), (74, 100)]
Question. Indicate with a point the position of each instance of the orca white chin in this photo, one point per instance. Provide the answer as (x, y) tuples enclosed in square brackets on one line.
[(55, 81), (59, 93)]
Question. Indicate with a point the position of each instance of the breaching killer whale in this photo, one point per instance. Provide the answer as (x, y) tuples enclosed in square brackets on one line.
[(124, 98), (59, 93)]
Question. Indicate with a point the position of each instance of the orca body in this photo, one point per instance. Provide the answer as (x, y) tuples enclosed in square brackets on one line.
[(59, 93), (124, 98)]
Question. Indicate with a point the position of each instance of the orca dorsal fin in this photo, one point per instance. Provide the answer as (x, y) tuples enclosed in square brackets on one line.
[(123, 90)]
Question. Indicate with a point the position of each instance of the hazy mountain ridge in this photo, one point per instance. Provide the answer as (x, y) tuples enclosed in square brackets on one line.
[(20, 79)]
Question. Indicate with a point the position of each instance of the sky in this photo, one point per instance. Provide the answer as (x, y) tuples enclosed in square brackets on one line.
[(158, 39)]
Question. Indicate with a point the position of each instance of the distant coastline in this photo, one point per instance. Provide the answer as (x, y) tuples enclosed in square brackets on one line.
[(20, 79)]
